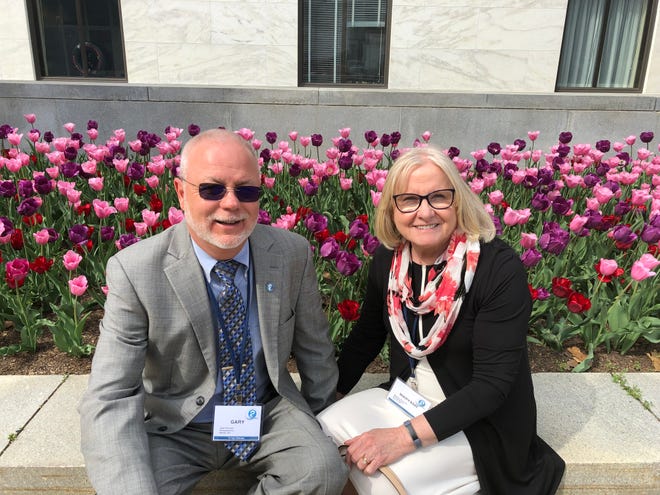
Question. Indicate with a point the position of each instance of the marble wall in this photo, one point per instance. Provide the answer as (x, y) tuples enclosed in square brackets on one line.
[(474, 46)]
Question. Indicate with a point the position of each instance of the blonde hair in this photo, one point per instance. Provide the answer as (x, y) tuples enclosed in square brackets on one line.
[(219, 135), (471, 216)]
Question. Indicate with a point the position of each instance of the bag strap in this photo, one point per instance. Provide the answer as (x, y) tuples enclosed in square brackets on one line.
[(394, 479)]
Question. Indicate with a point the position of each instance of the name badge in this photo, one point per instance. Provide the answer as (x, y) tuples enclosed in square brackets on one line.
[(412, 403), (237, 423)]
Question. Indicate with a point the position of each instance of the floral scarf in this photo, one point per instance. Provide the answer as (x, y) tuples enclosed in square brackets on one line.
[(441, 293)]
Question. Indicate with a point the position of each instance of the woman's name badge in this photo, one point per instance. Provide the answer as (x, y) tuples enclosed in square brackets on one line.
[(412, 403), (237, 423)]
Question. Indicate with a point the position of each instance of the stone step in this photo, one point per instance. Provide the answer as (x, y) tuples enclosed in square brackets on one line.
[(608, 440)]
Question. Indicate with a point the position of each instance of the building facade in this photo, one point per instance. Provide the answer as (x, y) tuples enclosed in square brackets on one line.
[(468, 70)]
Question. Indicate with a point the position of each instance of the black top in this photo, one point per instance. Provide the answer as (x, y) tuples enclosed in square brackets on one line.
[(482, 367)]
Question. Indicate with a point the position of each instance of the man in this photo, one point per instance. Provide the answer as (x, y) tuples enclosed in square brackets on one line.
[(156, 416)]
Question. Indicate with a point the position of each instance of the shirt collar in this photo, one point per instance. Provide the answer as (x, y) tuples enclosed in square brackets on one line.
[(208, 262)]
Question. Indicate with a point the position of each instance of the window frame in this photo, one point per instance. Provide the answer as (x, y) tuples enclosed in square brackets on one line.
[(38, 55), (646, 42), (301, 54)]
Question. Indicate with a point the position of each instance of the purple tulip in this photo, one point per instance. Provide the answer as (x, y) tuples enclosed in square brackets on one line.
[(624, 156), (70, 169), (107, 233), (602, 169), (42, 184), (126, 240), (563, 150), (481, 166), (295, 170), (520, 143), (345, 162), (591, 180), (329, 248), (646, 137), (650, 234), (7, 189), (70, 153), (395, 137), (542, 294), (565, 137), (264, 217), (370, 136), (271, 137), (193, 130), (561, 205), (311, 188), (623, 234), (453, 152), (92, 124), (48, 136), (76, 136), (53, 235), (135, 171), (344, 145), (395, 154), (317, 140), (6, 226), (265, 155), (78, 233), (358, 229), (540, 202), (603, 145), (28, 207), (531, 257), (347, 263), (316, 222), (370, 243), (385, 140), (494, 148), (25, 188), (5, 130), (554, 239), (621, 208), (530, 182), (508, 171), (498, 224)]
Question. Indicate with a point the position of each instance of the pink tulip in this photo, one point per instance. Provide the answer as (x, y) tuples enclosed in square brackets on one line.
[(426, 135), (639, 197), (640, 272), (573, 181), (256, 144), (533, 135), (477, 185), (245, 133), (528, 240), (607, 267), (120, 135), (496, 197), (121, 204), (630, 140), (120, 165), (89, 167), (14, 138), (150, 217), (345, 132), (516, 217), (71, 260), (286, 221), (30, 118), (78, 285), (618, 147), (102, 209), (141, 228), (70, 127), (73, 196), (93, 134), (269, 182), (41, 237), (603, 194), (135, 145), (578, 223), (33, 135), (105, 290), (174, 215), (649, 261), (53, 172), (478, 154), (305, 140), (643, 153), (345, 183), (152, 181), (42, 147)]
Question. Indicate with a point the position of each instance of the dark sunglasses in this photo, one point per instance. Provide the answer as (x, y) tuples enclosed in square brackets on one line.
[(215, 192)]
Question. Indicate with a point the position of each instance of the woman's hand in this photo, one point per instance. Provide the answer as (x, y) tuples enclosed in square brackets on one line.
[(378, 447)]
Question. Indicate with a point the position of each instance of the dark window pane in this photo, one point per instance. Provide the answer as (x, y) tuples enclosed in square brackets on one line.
[(605, 44), (77, 38), (344, 41)]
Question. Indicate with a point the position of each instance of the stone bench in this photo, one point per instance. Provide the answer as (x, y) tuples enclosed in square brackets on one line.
[(608, 440)]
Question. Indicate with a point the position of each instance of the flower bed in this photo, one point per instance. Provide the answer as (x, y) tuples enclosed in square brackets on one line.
[(585, 220)]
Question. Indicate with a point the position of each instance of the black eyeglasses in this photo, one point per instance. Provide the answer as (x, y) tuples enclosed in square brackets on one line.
[(438, 200), (215, 192)]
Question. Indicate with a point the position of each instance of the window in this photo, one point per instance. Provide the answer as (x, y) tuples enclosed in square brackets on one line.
[(344, 42), (605, 44), (77, 38)]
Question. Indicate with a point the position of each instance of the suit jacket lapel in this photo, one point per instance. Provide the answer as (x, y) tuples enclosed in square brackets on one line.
[(268, 280), (189, 285)]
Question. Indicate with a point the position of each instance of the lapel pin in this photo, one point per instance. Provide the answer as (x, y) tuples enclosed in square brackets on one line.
[(270, 287)]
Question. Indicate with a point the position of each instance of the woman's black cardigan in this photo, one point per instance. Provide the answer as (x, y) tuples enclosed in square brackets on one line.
[(483, 369)]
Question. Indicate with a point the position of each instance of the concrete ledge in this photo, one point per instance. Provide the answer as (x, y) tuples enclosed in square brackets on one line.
[(608, 440)]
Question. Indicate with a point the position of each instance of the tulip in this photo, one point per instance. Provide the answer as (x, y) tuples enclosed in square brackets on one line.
[(78, 285), (71, 260)]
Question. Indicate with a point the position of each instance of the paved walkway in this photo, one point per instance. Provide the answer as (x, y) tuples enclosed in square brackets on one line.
[(609, 441)]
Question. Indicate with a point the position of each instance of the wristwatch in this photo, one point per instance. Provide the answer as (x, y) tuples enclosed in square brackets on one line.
[(413, 434)]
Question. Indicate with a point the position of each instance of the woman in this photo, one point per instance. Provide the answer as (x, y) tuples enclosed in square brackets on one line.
[(455, 303)]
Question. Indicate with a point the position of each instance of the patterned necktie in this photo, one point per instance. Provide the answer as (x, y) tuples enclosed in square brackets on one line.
[(243, 389)]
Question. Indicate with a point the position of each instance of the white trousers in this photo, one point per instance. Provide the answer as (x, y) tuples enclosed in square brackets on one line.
[(444, 468)]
